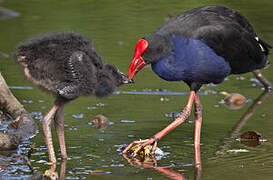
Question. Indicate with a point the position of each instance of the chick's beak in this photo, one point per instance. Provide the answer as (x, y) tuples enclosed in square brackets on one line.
[(125, 79)]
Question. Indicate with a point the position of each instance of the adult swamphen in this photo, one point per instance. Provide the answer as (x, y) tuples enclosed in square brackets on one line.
[(66, 65), (200, 46)]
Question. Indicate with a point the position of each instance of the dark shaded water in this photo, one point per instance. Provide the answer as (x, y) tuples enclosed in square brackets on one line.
[(138, 110)]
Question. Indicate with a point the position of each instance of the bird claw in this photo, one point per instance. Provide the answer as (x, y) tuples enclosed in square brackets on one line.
[(140, 145)]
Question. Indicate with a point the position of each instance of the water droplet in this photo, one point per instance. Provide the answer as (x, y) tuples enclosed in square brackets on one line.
[(37, 115), (41, 162), (238, 150), (76, 157), (20, 87), (164, 99), (93, 155), (27, 101), (117, 165), (207, 92), (240, 78), (147, 90), (161, 90), (211, 85), (127, 121), (116, 92), (120, 43), (77, 116), (254, 80), (74, 177), (100, 104), (38, 154), (73, 129), (191, 121), (172, 114), (249, 100)]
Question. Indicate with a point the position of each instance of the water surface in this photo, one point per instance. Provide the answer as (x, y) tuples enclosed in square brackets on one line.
[(138, 110)]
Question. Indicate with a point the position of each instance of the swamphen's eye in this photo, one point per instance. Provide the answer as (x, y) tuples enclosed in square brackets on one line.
[(146, 51), (159, 49)]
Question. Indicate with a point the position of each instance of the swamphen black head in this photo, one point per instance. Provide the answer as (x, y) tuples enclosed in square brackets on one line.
[(66, 65), (200, 46)]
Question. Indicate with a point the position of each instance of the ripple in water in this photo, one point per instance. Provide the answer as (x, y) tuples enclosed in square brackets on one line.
[(127, 121), (77, 116)]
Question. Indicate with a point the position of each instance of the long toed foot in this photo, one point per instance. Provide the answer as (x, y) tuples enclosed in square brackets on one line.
[(48, 135), (154, 140), (141, 144)]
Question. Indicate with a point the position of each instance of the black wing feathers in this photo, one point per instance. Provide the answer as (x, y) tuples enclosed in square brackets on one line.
[(226, 31)]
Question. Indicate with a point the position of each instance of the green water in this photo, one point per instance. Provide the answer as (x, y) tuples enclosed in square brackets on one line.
[(115, 26)]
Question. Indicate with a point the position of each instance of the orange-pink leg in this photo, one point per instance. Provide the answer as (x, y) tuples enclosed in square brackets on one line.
[(47, 133), (197, 130), (154, 140), (59, 127), (172, 174)]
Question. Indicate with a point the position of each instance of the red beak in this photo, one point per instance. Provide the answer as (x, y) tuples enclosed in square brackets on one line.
[(138, 63)]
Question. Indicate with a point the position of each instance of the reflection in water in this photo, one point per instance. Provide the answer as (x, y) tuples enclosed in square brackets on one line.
[(151, 162), (242, 121)]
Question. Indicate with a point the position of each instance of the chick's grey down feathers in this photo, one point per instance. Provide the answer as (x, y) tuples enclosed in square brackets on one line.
[(67, 65)]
